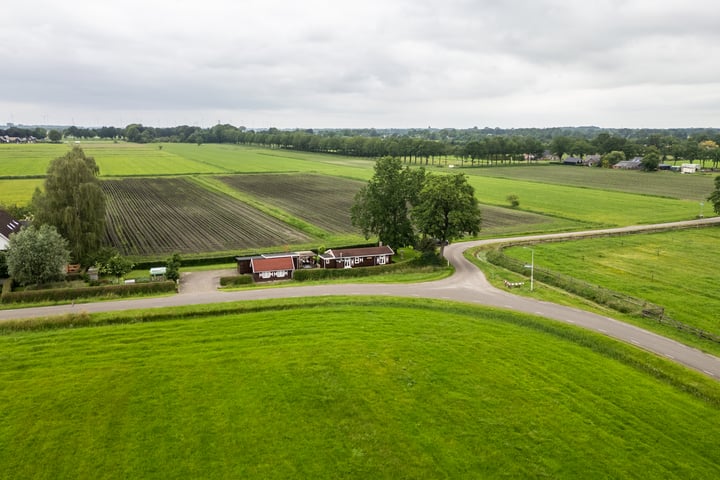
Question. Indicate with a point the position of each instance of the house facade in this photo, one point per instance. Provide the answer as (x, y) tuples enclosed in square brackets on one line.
[(356, 257), (273, 268)]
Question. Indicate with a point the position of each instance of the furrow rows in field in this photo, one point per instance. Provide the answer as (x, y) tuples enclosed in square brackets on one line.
[(318, 199), (163, 215)]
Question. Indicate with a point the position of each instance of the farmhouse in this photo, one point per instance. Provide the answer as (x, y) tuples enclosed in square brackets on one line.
[(356, 257), (273, 268), (8, 225), (632, 164)]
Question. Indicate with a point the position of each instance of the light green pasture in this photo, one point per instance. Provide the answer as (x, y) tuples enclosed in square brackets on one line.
[(18, 191), (677, 270)]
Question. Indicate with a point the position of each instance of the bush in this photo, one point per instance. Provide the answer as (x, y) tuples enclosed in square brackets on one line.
[(312, 274), (65, 294), (236, 280)]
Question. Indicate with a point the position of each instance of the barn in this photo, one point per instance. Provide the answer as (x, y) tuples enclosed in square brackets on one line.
[(356, 257)]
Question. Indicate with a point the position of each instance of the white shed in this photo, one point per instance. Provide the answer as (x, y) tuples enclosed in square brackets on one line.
[(689, 168)]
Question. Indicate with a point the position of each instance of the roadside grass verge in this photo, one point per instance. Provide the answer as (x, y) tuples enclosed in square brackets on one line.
[(362, 387)]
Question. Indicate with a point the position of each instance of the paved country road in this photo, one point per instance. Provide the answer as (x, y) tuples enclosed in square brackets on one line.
[(468, 285)]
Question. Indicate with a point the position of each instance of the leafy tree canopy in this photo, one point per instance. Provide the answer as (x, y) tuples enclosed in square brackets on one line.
[(73, 203), (447, 208), (37, 255), (382, 206), (714, 197)]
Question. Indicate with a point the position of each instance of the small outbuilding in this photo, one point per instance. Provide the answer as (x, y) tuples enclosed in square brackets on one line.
[(689, 168)]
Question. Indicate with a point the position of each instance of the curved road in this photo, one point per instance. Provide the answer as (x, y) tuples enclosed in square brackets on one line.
[(468, 285)]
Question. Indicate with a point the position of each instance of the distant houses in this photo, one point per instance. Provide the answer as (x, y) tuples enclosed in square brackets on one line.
[(9, 139), (586, 161)]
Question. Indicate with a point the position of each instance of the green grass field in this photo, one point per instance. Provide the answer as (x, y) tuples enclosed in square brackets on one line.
[(676, 270), (18, 191), (664, 184), (349, 389)]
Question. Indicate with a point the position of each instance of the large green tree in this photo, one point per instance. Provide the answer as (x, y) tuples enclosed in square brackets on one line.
[(37, 255), (73, 202), (714, 197), (382, 207), (447, 209)]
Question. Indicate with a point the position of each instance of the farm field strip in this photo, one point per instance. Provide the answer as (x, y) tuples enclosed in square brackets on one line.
[(165, 215), (28, 159), (663, 184), (18, 191), (677, 270), (593, 207), (318, 199), (243, 159)]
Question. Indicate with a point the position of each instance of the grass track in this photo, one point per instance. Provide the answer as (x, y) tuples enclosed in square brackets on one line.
[(349, 389)]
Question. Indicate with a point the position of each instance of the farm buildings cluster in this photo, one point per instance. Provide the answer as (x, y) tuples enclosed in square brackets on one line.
[(280, 266)]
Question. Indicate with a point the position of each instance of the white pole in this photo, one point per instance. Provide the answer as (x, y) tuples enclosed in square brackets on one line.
[(532, 269)]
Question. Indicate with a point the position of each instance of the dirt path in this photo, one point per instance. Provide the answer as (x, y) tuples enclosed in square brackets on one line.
[(202, 282)]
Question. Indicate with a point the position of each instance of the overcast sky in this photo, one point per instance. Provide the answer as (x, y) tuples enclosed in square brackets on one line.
[(370, 63)]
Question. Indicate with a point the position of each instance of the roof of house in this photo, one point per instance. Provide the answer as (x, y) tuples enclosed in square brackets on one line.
[(358, 252), (8, 224), (272, 264)]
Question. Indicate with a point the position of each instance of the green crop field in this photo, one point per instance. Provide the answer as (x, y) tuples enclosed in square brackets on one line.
[(148, 216), (28, 159), (18, 191), (676, 270), (132, 159), (694, 187), (594, 207), (241, 159), (347, 389)]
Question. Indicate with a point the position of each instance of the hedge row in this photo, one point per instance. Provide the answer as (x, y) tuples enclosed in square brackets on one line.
[(65, 294), (305, 275), (236, 280)]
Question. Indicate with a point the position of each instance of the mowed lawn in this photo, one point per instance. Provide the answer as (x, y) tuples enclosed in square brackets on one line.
[(676, 270), (344, 389)]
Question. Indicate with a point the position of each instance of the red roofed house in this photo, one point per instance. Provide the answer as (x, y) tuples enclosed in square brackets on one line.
[(356, 257), (273, 268)]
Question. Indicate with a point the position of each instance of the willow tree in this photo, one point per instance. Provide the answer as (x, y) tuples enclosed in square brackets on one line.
[(73, 202)]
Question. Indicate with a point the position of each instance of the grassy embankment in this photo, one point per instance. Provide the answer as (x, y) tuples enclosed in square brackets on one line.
[(291, 389)]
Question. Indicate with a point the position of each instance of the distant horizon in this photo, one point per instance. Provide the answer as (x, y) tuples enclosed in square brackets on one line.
[(8, 125)]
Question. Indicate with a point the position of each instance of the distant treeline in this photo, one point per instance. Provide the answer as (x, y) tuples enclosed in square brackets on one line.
[(424, 145)]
